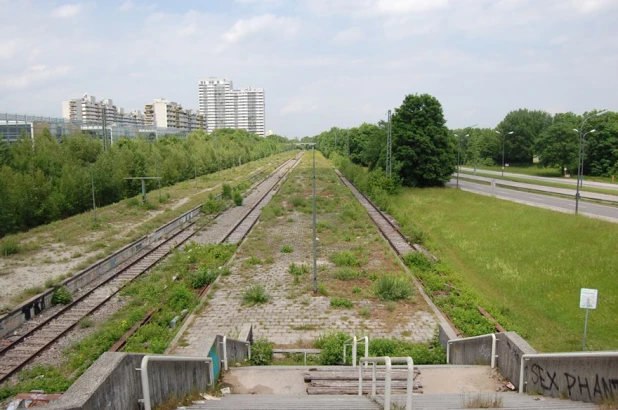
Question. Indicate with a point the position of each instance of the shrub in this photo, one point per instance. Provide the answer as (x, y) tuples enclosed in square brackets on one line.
[(347, 274), (261, 352), (393, 287), (356, 290), (226, 191), (345, 258), (202, 277), (332, 347), (62, 296), (180, 297), (297, 270), (238, 198), (85, 322), (341, 303), (213, 206), (423, 353), (287, 249), (298, 201), (255, 295), (322, 290)]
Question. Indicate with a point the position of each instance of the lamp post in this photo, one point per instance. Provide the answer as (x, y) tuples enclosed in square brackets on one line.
[(315, 239), (459, 149), (580, 160), (503, 139)]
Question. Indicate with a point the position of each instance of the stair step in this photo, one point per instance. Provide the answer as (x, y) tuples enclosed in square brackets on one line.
[(272, 402)]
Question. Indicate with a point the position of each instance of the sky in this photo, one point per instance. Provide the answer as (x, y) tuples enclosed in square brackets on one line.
[(322, 63)]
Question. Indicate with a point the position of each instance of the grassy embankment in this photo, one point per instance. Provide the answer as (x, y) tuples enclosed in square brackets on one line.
[(526, 265), (535, 170)]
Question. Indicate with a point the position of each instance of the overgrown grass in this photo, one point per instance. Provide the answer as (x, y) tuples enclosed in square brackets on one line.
[(297, 270), (255, 295), (393, 287), (158, 290), (345, 258), (525, 265), (287, 249), (261, 352), (341, 303), (347, 274)]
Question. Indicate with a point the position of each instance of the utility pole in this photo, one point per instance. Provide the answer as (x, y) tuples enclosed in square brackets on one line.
[(389, 147), (315, 239), (104, 127)]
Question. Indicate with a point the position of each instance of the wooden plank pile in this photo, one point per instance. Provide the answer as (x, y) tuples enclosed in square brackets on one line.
[(345, 381)]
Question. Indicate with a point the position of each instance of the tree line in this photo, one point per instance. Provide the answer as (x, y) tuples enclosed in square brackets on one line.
[(44, 179), (547, 140), (424, 150)]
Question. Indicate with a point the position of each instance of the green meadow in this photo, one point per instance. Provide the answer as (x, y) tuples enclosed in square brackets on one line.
[(525, 265)]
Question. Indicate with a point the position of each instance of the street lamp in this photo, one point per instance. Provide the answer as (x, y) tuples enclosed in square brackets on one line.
[(503, 138), (580, 161), (459, 149)]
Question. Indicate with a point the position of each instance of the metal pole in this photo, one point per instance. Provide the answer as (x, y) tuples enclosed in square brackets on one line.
[(195, 171), (315, 239), (94, 205), (143, 190), (503, 138), (585, 329), (458, 149), (159, 180)]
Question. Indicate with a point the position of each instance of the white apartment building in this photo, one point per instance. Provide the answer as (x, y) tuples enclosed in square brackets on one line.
[(163, 113), (225, 107), (90, 111)]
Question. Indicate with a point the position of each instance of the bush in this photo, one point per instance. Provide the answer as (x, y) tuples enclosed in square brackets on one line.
[(287, 249), (261, 352), (86, 322), (226, 191), (213, 206), (298, 201), (422, 353), (347, 274), (345, 258), (238, 198), (62, 296), (393, 287), (341, 303), (202, 277), (255, 295), (9, 246), (332, 347)]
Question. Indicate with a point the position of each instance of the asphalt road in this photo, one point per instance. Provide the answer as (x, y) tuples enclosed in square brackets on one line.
[(608, 213), (570, 181)]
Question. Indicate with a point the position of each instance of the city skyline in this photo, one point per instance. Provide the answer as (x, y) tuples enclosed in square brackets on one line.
[(335, 63)]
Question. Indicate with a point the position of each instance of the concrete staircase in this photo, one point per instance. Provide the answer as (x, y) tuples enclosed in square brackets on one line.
[(273, 402), (509, 400)]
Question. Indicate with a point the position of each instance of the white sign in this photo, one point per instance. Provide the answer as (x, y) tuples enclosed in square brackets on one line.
[(588, 298)]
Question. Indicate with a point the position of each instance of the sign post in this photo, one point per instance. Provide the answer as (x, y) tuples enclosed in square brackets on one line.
[(587, 300)]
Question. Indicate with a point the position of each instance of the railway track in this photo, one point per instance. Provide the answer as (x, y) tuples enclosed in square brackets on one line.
[(21, 351), (391, 232)]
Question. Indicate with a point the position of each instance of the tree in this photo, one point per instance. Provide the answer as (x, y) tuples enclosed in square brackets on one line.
[(527, 126), (558, 144), (423, 150), (5, 155)]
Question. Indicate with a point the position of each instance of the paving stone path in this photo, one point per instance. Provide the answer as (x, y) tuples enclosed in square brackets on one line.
[(293, 316)]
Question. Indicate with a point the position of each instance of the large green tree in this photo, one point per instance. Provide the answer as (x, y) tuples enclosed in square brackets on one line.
[(423, 149), (527, 126), (558, 144)]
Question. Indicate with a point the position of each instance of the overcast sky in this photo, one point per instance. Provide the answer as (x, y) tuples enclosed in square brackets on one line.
[(322, 63)]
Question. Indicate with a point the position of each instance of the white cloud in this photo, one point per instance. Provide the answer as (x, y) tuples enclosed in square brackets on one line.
[(268, 24), (260, 2), (299, 106), (127, 6), (398, 7), (592, 6), (67, 10), (348, 36), (35, 74), (9, 46)]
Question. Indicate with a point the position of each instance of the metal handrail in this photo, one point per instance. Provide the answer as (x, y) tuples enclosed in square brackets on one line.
[(354, 344), (493, 347), (529, 356), (144, 372), (387, 378), (224, 343)]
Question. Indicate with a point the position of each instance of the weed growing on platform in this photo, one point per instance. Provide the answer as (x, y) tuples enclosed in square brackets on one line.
[(341, 303), (481, 401), (255, 295), (345, 258), (297, 270), (261, 352), (287, 249), (62, 296), (393, 287), (347, 274)]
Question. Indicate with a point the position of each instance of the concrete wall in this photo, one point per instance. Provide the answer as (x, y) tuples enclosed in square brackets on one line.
[(113, 383), (35, 305), (475, 351), (510, 348), (589, 379)]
